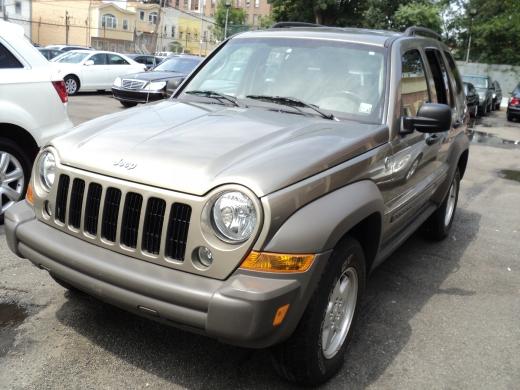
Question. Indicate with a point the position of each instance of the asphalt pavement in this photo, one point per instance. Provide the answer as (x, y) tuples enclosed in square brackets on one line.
[(435, 315)]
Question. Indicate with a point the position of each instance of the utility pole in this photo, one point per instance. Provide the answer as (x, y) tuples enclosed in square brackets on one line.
[(473, 13), (201, 9), (66, 27), (228, 6)]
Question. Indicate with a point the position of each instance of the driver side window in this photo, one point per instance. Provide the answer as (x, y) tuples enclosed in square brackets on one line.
[(99, 59), (414, 86)]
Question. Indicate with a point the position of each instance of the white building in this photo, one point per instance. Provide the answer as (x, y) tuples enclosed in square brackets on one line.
[(19, 12)]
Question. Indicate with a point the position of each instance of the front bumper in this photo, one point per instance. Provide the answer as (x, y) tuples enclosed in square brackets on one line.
[(239, 310), (137, 96)]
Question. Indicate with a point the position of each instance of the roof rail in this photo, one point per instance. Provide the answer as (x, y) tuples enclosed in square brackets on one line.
[(294, 24), (422, 31)]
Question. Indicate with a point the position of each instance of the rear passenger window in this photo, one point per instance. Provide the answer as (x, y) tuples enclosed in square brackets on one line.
[(440, 76), (414, 87), (7, 59), (454, 71)]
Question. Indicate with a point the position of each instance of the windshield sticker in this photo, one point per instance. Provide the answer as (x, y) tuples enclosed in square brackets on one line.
[(365, 108)]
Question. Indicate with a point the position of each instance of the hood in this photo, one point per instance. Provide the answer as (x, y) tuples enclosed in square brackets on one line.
[(154, 76), (193, 148)]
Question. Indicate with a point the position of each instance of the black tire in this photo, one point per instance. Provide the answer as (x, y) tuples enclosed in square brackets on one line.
[(435, 228), (128, 104), (71, 84), (64, 284), (497, 106), (25, 161), (301, 359), (510, 118)]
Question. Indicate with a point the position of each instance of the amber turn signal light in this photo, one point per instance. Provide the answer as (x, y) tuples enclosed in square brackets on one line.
[(277, 262), (280, 314), (29, 195)]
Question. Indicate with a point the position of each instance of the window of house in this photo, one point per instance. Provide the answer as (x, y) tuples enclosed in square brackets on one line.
[(18, 7), (152, 17), (141, 15), (173, 31), (1, 5), (257, 3), (414, 87), (109, 21), (125, 24), (7, 59)]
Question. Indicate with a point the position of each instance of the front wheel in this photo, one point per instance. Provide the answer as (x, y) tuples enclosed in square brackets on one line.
[(15, 169), (315, 351), (71, 85), (439, 224)]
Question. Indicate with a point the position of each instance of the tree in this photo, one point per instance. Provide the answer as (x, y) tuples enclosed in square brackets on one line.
[(237, 18), (418, 14), (327, 12)]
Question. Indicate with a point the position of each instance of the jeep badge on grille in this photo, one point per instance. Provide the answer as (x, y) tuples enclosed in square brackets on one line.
[(124, 164)]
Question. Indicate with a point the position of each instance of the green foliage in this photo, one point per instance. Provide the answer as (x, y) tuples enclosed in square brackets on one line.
[(418, 14), (237, 17)]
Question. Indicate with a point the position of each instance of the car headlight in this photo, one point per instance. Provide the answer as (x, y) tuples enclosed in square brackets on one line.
[(234, 216), (47, 170), (118, 82), (155, 86)]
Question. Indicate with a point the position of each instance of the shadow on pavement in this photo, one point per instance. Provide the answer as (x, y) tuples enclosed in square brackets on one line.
[(396, 292)]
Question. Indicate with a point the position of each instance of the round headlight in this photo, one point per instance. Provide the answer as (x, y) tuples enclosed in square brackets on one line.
[(47, 170), (234, 216)]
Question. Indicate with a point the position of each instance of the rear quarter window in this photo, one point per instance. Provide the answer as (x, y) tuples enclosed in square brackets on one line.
[(7, 59)]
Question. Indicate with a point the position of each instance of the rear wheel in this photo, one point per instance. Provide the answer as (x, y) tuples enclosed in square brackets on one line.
[(71, 85), (15, 170), (128, 104), (439, 224), (315, 351)]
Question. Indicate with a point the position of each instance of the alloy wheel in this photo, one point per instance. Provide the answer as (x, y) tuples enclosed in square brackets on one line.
[(12, 181)]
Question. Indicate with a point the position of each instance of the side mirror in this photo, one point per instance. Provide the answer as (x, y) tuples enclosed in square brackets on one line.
[(431, 118), (172, 85), (89, 63)]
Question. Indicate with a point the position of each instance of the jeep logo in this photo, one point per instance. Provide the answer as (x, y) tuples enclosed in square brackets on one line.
[(124, 164)]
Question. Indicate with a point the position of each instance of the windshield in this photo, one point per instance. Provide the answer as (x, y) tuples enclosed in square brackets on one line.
[(478, 82), (178, 65), (71, 57), (339, 77)]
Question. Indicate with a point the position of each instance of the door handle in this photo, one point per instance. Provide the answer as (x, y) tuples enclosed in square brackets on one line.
[(432, 139)]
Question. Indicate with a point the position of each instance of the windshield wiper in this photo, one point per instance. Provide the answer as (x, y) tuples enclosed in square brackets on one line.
[(292, 102), (215, 95)]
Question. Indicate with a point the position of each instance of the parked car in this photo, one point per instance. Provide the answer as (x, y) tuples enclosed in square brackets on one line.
[(253, 208), (484, 89), (66, 48), (33, 109), (146, 59), (472, 99), (155, 85), (496, 95), (49, 53), (513, 105), (93, 70)]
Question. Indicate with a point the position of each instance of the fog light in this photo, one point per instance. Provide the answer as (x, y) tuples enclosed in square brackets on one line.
[(205, 256)]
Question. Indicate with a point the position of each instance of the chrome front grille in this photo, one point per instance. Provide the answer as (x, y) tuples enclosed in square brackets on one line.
[(125, 218), (133, 84)]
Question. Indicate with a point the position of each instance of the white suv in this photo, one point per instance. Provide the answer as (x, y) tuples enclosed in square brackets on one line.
[(33, 109)]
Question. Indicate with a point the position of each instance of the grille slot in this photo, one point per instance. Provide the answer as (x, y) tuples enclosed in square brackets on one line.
[(130, 222), (177, 233), (153, 224), (61, 198), (110, 214), (76, 202), (92, 208)]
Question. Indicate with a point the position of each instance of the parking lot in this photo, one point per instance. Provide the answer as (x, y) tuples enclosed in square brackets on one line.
[(435, 315)]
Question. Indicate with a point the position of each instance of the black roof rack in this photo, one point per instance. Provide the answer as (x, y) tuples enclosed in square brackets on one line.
[(294, 24), (422, 31)]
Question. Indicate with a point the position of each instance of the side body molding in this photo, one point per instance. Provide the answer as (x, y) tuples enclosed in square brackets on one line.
[(319, 225)]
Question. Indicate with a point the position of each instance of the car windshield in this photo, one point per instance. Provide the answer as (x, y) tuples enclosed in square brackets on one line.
[(178, 65), (342, 78), (478, 82), (72, 57)]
